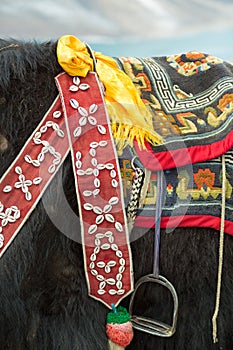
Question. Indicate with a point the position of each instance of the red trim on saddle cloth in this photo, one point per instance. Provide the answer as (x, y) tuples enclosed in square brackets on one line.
[(172, 222), (170, 159), (83, 128)]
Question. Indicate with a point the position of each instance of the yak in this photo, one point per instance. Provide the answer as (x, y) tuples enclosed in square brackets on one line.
[(44, 300)]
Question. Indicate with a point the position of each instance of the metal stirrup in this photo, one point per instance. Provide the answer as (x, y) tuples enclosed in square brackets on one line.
[(149, 325), (146, 324)]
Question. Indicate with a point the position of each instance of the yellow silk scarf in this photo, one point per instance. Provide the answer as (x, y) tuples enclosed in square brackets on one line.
[(130, 119)]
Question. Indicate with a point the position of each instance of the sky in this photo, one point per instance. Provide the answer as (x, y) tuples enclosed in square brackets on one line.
[(125, 27)]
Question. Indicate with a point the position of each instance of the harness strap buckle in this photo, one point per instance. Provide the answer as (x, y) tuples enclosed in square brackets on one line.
[(149, 325)]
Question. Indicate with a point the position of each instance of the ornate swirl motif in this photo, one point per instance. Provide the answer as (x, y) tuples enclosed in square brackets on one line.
[(192, 62)]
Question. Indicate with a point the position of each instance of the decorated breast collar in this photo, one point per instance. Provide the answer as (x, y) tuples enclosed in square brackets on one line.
[(78, 122)]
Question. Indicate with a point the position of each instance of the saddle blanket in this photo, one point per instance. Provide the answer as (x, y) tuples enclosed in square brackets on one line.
[(191, 98), (193, 195)]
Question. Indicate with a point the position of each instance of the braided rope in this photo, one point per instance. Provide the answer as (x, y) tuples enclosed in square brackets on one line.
[(144, 189), (221, 247), (134, 197)]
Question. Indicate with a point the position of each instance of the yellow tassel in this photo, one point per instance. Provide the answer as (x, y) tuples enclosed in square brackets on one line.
[(129, 116)]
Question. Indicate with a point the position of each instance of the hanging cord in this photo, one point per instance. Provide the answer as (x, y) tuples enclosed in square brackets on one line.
[(221, 247), (160, 193)]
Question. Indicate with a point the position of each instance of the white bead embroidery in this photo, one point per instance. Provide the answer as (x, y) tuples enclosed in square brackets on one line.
[(101, 215), (105, 265), (103, 241), (77, 85), (86, 116), (57, 114), (46, 147), (7, 216), (23, 184)]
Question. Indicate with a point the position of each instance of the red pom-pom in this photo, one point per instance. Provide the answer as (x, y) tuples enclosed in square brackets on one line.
[(120, 334)]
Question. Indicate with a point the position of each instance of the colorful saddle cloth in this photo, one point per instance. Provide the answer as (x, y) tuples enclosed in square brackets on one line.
[(191, 97)]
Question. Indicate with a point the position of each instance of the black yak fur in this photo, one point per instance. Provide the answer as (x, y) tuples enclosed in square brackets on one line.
[(43, 293)]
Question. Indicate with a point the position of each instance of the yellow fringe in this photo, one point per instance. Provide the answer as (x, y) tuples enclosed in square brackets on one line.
[(126, 135)]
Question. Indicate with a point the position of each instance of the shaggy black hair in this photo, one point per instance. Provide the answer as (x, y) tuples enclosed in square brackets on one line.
[(43, 294)]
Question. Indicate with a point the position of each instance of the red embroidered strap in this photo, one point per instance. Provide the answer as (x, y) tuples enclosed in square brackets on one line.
[(22, 186), (83, 121), (107, 256)]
